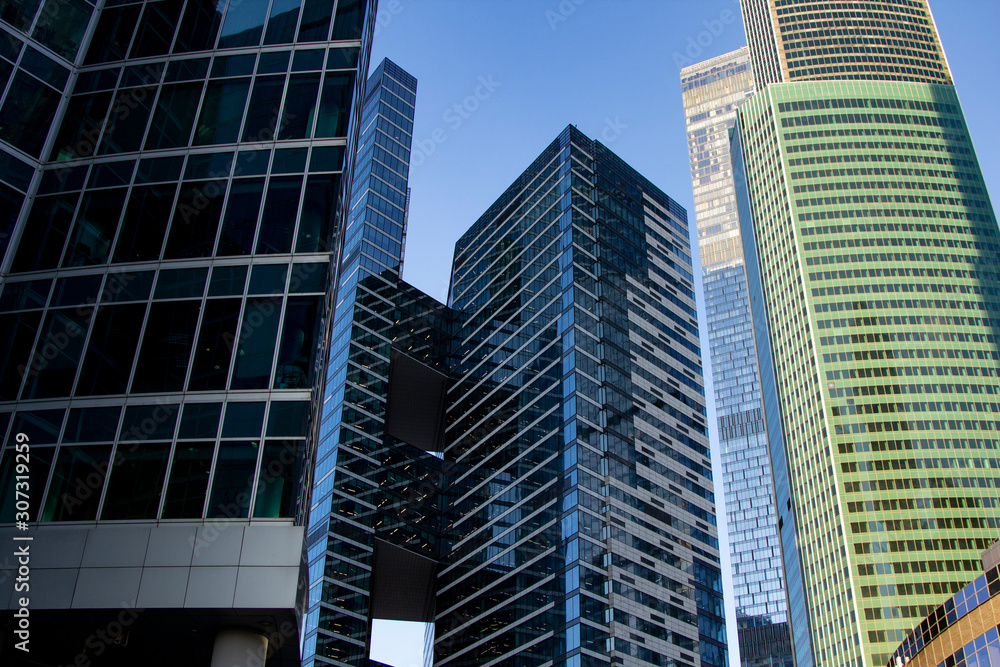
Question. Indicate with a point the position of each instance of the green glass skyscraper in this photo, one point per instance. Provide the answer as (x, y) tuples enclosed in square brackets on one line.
[(872, 253)]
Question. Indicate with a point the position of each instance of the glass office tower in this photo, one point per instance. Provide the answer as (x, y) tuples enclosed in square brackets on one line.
[(376, 508), (712, 90), (871, 254), (171, 172), (581, 522)]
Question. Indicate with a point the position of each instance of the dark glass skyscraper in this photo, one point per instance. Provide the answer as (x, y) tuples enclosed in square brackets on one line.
[(171, 172), (581, 521), (571, 519)]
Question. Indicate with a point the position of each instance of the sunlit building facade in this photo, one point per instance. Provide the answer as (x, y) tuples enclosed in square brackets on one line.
[(871, 247)]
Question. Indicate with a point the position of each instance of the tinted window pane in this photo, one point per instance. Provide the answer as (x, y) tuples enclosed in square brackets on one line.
[(179, 283), (234, 65), (156, 29), (335, 105), (222, 112), (43, 237), (77, 290), (25, 295), (280, 472), (199, 27), (145, 422), (174, 116), (44, 68), (61, 25), (268, 279), (19, 13), (187, 70), (92, 424), (166, 346), (188, 483), (136, 482), (17, 335), (273, 62), (255, 347), (82, 126), (227, 280), (95, 227), (317, 213), (316, 15), (289, 161), (233, 482), (288, 418), (113, 34), (76, 484), (240, 223), (244, 24), (309, 277), (39, 463), (298, 344), (196, 220), (27, 113), (300, 106), (281, 24), (41, 426), (111, 350), (127, 286), (349, 19), (215, 345), (10, 209), (145, 223), (263, 112), (60, 348), (243, 420), (127, 122), (200, 420), (277, 223)]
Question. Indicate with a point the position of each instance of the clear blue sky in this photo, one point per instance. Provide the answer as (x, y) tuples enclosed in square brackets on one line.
[(612, 69)]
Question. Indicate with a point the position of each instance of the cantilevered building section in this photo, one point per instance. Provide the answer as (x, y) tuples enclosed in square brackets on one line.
[(376, 503), (877, 40), (872, 255), (582, 524), (171, 173), (712, 90)]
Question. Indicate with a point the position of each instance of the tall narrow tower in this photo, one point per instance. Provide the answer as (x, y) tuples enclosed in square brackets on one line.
[(872, 253), (712, 90)]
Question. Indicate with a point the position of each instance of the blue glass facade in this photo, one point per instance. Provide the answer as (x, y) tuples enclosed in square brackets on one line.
[(712, 91), (581, 523), (570, 519)]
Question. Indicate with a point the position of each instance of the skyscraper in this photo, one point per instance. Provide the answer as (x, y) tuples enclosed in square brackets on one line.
[(712, 90), (580, 518), (171, 176), (570, 518), (372, 542), (871, 248)]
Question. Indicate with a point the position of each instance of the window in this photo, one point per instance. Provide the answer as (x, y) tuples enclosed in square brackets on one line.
[(222, 112)]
